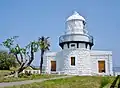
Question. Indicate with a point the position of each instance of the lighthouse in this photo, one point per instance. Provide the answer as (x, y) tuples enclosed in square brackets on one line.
[(76, 56), (76, 44)]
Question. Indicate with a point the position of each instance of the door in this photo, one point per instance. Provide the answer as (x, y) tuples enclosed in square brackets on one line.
[(53, 65), (101, 66)]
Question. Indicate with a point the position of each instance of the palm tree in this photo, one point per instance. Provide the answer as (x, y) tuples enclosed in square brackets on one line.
[(44, 46)]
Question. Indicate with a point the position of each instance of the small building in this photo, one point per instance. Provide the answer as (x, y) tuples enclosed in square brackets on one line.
[(77, 56)]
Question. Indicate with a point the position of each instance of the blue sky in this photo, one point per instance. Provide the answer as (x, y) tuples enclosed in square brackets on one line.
[(30, 19)]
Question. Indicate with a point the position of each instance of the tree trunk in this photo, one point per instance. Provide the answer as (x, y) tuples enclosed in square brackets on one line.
[(16, 74), (22, 67), (41, 62), (30, 61), (17, 57)]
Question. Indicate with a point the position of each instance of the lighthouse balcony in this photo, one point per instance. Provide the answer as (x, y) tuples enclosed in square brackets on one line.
[(76, 38)]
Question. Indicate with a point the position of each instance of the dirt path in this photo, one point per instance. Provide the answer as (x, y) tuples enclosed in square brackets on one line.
[(29, 81)]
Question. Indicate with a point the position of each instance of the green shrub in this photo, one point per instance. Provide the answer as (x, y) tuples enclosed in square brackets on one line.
[(104, 81), (22, 75)]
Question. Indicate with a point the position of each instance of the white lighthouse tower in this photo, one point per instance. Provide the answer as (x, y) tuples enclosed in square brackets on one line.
[(76, 44)]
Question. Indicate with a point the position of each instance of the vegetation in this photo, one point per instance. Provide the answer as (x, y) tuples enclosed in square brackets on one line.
[(74, 82), (7, 61), (43, 45), (105, 81), (24, 56), (3, 73), (22, 77)]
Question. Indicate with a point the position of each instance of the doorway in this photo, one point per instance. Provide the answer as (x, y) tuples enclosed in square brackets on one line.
[(101, 66), (53, 65)]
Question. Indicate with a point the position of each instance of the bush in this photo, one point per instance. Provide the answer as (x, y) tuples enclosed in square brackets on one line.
[(22, 75), (25, 75), (104, 81), (7, 60)]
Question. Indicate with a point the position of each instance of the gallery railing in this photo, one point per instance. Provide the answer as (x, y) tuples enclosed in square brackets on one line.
[(75, 37)]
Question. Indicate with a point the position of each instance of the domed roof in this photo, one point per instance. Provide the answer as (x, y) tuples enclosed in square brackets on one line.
[(75, 16)]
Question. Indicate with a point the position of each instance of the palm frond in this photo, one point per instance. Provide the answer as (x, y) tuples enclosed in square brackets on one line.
[(43, 43)]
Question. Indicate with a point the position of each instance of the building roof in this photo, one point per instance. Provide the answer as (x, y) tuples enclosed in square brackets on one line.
[(99, 52), (75, 16), (50, 53)]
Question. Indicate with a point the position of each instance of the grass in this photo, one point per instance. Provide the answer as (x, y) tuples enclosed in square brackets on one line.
[(105, 81), (74, 82), (110, 83), (3, 72), (31, 77), (24, 77)]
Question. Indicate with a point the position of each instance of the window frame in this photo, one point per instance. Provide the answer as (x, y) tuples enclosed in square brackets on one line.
[(72, 61), (73, 45)]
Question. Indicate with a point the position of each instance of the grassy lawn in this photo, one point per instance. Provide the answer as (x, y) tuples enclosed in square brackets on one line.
[(74, 82), (12, 79), (3, 72)]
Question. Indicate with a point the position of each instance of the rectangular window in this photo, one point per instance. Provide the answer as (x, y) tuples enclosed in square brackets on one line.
[(101, 66), (72, 45), (73, 61)]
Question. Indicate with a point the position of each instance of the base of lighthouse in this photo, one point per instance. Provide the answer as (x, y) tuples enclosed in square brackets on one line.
[(75, 62)]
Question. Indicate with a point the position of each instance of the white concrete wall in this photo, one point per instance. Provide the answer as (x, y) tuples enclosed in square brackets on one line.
[(88, 47), (98, 56), (32, 71), (65, 46), (59, 61), (86, 61), (49, 56), (82, 45), (110, 64), (82, 62)]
